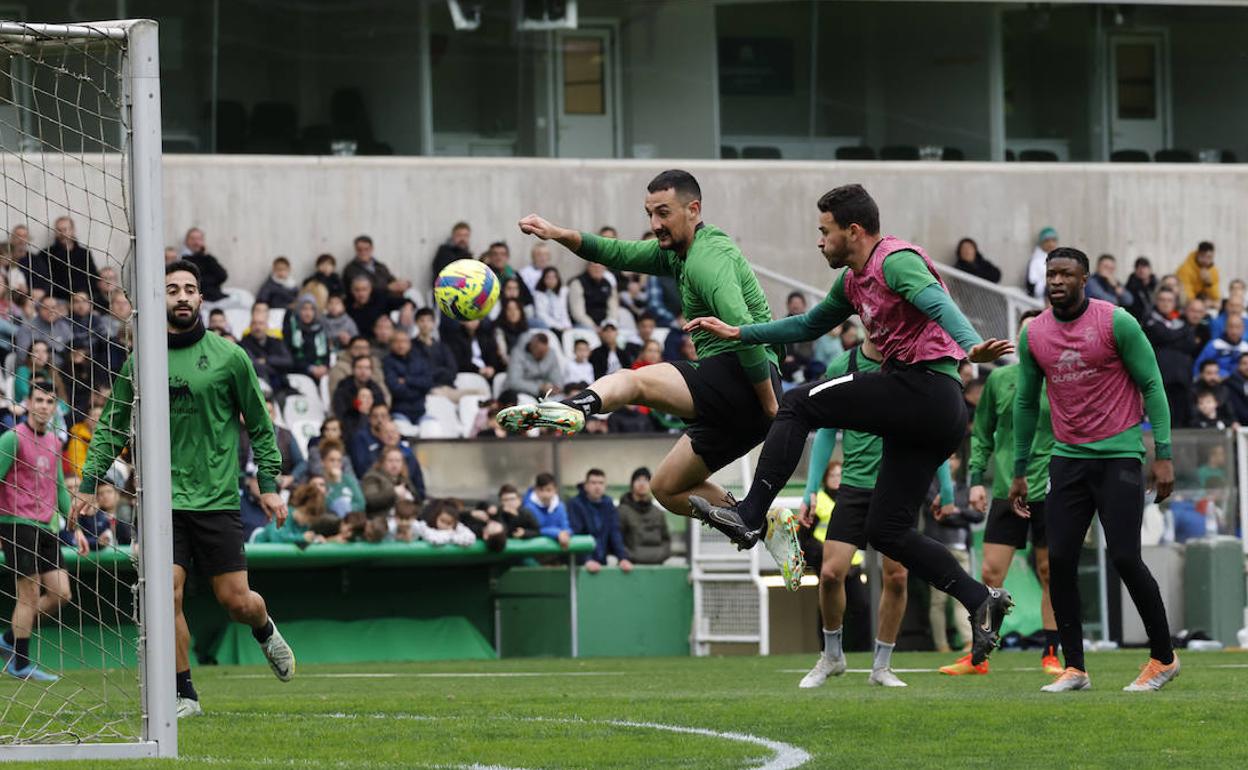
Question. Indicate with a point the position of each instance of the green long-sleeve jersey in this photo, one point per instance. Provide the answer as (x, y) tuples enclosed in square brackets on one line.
[(862, 451), (1141, 363), (992, 435), (714, 280), (211, 383), (906, 274)]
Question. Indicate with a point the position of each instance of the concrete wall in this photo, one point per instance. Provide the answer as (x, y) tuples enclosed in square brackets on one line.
[(254, 208)]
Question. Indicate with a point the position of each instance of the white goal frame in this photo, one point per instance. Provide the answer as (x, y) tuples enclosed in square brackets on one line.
[(141, 75)]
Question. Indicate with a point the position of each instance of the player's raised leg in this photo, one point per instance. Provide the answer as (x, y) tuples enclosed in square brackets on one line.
[(246, 606), (683, 473), (660, 386)]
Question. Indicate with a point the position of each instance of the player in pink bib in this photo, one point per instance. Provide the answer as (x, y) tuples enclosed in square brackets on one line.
[(914, 403), (1102, 378), (33, 497)]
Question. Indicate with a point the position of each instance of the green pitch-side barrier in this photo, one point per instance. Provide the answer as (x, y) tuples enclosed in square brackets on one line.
[(343, 603)]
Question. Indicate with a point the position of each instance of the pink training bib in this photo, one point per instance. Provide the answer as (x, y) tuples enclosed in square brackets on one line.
[(29, 490), (900, 330), (1091, 392)]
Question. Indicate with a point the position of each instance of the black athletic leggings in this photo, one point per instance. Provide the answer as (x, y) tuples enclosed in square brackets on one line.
[(921, 416), (1115, 488)]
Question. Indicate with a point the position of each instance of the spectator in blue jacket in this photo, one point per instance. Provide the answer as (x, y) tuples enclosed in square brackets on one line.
[(1226, 349), (362, 445), (408, 378), (543, 502), (591, 512), (101, 528)]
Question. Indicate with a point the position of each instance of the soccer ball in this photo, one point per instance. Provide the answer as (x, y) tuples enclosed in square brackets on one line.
[(466, 290)]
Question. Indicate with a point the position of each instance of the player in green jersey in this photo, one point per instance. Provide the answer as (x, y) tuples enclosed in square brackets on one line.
[(992, 436), (727, 397), (211, 383)]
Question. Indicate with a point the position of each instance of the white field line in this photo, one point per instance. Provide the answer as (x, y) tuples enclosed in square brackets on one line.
[(784, 756), (438, 675)]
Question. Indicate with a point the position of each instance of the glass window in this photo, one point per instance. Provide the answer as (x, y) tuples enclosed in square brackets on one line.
[(584, 92), (1136, 72)]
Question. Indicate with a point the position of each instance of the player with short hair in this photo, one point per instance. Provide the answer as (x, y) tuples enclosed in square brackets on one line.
[(847, 533), (727, 397), (1102, 378), (211, 383), (914, 403), (33, 497), (992, 436)]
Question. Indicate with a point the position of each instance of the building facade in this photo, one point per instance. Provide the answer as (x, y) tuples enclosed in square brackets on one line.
[(793, 79)]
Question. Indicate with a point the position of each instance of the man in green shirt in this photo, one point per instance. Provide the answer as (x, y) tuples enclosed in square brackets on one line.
[(727, 397), (1102, 378), (992, 436), (211, 382)]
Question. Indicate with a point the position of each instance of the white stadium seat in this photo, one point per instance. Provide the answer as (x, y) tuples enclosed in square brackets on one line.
[(303, 433), (304, 385), (441, 418), (300, 408)]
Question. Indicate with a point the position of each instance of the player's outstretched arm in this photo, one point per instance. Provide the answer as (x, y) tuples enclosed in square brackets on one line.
[(634, 256), (832, 311), (907, 274), (542, 228)]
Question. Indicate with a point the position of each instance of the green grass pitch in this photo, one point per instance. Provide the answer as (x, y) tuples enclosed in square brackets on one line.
[(635, 713)]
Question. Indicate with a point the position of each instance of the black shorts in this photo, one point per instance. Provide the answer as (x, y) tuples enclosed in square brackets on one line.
[(1008, 528), (209, 541), (30, 549), (730, 420), (849, 516)]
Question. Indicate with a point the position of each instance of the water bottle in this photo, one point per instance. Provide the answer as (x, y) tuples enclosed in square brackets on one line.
[(1243, 637)]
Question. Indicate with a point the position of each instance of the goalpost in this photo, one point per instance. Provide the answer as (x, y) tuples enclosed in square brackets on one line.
[(80, 146)]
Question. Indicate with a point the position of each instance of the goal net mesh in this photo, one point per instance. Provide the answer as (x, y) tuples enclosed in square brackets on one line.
[(65, 322)]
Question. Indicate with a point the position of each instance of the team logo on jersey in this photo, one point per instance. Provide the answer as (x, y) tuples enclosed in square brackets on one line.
[(1071, 367), (179, 390), (202, 363), (43, 465)]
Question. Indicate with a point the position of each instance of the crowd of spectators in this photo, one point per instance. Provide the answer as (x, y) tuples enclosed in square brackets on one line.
[(365, 356)]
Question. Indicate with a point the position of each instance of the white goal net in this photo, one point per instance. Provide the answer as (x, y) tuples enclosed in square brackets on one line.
[(85, 611)]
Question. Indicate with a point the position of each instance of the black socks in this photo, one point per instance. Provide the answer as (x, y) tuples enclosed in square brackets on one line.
[(262, 633), (587, 401), (185, 688), (21, 653)]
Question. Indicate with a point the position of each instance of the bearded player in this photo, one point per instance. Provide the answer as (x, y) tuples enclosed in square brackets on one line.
[(211, 382), (727, 397), (914, 403)]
